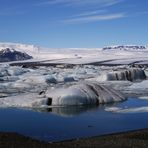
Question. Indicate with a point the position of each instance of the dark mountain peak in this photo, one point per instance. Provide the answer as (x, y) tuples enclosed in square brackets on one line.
[(10, 54), (7, 50)]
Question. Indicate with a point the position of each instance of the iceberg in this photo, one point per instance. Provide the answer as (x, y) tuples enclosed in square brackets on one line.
[(142, 109), (123, 75), (82, 94), (75, 95)]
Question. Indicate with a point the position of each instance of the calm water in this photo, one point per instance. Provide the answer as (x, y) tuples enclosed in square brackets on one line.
[(73, 122)]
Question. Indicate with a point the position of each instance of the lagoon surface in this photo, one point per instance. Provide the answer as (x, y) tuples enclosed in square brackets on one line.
[(66, 123)]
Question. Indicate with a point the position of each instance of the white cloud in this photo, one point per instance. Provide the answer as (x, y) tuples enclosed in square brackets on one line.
[(89, 13), (94, 18), (97, 10), (82, 2)]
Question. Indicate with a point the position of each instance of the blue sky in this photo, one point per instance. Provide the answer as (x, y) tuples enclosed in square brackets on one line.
[(74, 23)]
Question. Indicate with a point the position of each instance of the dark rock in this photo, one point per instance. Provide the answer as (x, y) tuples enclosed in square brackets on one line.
[(7, 55)]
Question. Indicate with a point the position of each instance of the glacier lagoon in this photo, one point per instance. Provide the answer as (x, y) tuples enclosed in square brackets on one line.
[(65, 123), (25, 108), (32, 93)]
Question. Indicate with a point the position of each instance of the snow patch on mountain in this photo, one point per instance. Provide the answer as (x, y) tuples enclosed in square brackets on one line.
[(42, 53)]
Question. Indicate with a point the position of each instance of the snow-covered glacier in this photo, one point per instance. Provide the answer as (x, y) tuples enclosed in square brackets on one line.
[(112, 55)]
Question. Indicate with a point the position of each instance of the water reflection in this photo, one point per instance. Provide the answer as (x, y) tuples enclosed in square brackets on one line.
[(70, 111)]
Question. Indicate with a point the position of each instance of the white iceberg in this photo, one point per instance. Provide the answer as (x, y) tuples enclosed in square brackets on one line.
[(83, 94), (142, 109), (24, 100), (138, 89), (80, 94), (123, 75)]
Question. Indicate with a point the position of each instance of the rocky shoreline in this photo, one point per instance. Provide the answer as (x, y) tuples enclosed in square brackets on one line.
[(131, 139)]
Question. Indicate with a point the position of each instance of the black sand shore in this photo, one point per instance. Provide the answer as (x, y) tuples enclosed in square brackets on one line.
[(132, 139)]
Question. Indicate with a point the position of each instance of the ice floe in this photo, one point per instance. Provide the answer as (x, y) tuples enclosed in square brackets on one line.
[(123, 75), (80, 94), (76, 85), (139, 89), (142, 109), (24, 100)]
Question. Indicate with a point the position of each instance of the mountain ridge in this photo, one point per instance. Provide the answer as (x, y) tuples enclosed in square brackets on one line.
[(127, 48), (10, 54), (33, 48)]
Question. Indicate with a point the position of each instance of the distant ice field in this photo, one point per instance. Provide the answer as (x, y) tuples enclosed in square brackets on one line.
[(109, 55)]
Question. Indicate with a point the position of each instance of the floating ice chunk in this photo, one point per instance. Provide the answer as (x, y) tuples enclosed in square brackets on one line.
[(3, 71), (23, 100), (34, 79), (123, 75), (20, 85), (143, 84), (9, 79), (112, 109), (141, 87), (69, 79), (38, 79), (2, 95), (128, 110), (11, 71), (83, 94), (50, 79), (16, 71), (144, 97), (146, 72), (137, 89)]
